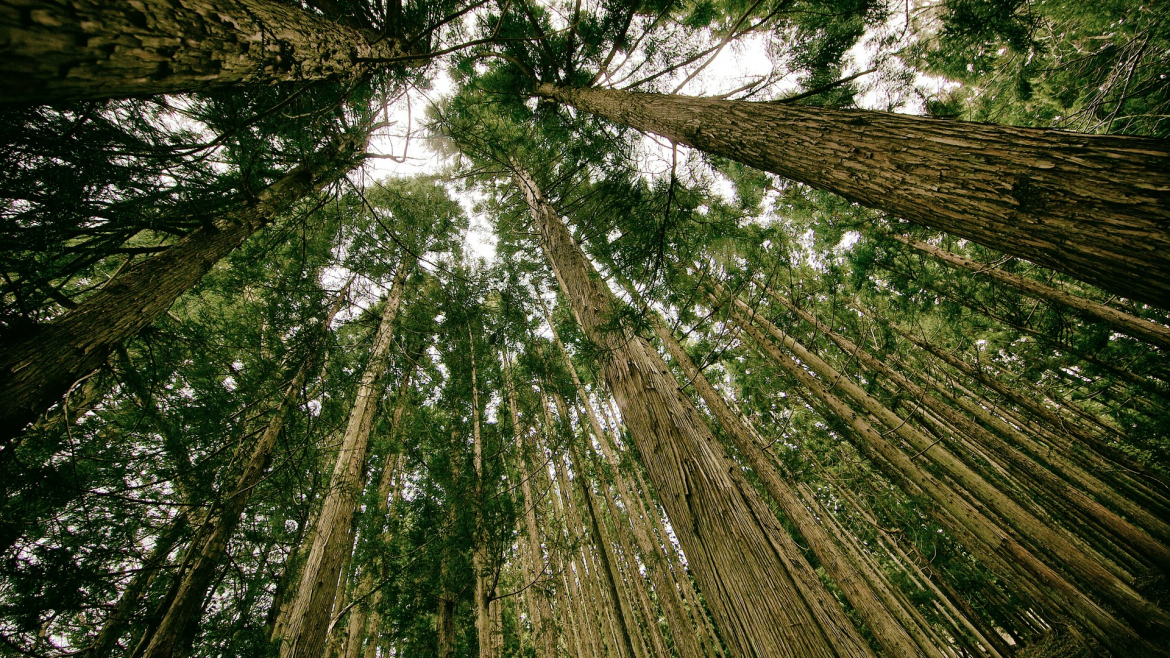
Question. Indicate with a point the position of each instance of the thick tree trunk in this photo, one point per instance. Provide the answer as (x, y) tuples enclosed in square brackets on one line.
[(64, 50), (304, 634), (37, 371), (1123, 322), (180, 624), (1095, 207), (765, 601)]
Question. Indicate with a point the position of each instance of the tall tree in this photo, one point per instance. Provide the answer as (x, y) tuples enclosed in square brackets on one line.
[(760, 593), (1092, 206)]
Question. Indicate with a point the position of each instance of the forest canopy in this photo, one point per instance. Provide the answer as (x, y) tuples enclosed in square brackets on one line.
[(586, 328)]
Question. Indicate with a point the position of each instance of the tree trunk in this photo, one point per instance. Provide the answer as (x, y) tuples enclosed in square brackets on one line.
[(1023, 465), (1130, 325), (766, 602), (65, 50), (686, 640), (103, 645), (179, 626), (998, 550), (1095, 207), (37, 371), (891, 625), (304, 634), (479, 557), (542, 628)]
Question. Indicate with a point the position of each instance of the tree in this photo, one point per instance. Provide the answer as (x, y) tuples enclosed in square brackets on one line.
[(1091, 204)]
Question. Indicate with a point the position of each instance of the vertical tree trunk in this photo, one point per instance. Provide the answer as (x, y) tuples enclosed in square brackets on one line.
[(479, 557), (37, 371), (304, 634), (1095, 207), (180, 624), (766, 602), (542, 628), (62, 50)]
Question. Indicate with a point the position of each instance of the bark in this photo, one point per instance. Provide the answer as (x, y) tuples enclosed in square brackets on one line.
[(1123, 322), (610, 575), (686, 641), (1095, 207), (997, 549), (546, 639), (303, 635), (64, 50), (766, 601), (1104, 580), (37, 371), (179, 626), (479, 558)]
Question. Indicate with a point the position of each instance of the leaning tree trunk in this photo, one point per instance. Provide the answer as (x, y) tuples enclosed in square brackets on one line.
[(63, 50), (1014, 563), (1130, 325), (308, 619), (209, 547), (37, 371), (895, 628), (766, 601), (1095, 207)]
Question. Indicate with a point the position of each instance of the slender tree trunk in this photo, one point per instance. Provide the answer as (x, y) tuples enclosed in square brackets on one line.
[(766, 601), (119, 618), (479, 557), (997, 549), (304, 634), (686, 641), (37, 371), (545, 640), (1130, 325), (1095, 207), (1023, 465), (179, 626), (63, 50), (895, 628)]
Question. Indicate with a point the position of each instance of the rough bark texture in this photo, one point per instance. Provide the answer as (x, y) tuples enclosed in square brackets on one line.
[(308, 619), (39, 370), (1095, 207), (1130, 325), (765, 601), (1027, 467), (62, 50)]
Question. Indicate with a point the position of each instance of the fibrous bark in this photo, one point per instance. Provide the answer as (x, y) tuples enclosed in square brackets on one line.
[(63, 50), (309, 616), (1095, 207)]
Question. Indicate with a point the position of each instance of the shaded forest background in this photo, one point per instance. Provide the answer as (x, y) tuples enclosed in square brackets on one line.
[(724, 387)]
